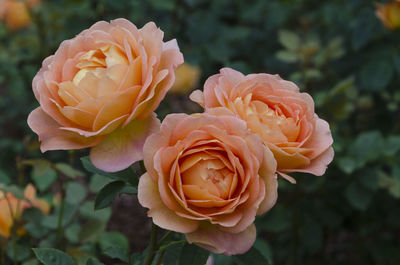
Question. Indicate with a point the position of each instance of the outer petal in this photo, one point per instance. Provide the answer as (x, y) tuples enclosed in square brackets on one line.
[(321, 139), (318, 165), (149, 197), (124, 146), (220, 242), (52, 137), (267, 173)]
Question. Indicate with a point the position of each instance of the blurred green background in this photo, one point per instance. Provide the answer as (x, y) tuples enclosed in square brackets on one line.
[(338, 51)]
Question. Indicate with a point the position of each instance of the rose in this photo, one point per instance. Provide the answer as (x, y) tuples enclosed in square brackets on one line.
[(275, 110), (11, 208), (389, 14), (99, 90), (208, 177)]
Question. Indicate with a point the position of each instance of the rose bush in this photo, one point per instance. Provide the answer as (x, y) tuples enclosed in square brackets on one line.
[(11, 208), (208, 177), (100, 88), (275, 110)]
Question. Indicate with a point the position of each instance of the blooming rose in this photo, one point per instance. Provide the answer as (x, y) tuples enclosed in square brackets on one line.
[(12, 208), (208, 177), (100, 88), (275, 110)]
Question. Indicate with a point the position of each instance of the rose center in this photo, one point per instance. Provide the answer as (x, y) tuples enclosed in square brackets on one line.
[(96, 62), (268, 122), (211, 176)]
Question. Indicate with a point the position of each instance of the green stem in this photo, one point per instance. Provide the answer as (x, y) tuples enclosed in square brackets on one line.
[(164, 238), (60, 228), (153, 243), (160, 257)]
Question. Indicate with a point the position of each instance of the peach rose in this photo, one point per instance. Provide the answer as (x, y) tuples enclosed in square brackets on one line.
[(12, 208), (15, 14), (100, 88), (208, 177), (389, 14), (275, 110)]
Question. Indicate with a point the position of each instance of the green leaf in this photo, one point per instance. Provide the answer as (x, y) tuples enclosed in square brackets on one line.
[(127, 175), (171, 255), (107, 194), (4, 178), (110, 239), (376, 75), (265, 249), (358, 196), (87, 211), (92, 261), (287, 56), (50, 256), (97, 182), (289, 39), (91, 230), (193, 255), (68, 171), (75, 193), (252, 257), (117, 253)]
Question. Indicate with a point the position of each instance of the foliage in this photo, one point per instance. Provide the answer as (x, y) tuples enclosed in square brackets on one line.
[(338, 51)]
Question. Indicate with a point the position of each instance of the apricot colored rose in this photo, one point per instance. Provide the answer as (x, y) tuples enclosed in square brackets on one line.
[(100, 88), (187, 78), (275, 110), (389, 14), (208, 177), (11, 208)]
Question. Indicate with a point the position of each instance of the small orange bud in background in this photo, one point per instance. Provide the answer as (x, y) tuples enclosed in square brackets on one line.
[(17, 15), (389, 14), (186, 78)]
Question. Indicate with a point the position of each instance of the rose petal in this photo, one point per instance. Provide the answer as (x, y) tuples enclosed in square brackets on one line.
[(124, 146), (220, 242), (149, 197)]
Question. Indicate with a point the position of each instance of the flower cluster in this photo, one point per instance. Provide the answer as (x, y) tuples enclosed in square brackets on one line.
[(208, 174)]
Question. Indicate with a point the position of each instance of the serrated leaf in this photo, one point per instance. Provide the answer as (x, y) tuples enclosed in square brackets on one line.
[(50, 256), (107, 194)]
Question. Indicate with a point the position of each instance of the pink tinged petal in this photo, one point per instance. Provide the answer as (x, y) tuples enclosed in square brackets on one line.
[(234, 77), (124, 146), (172, 44), (198, 97), (318, 165), (52, 137), (287, 177), (321, 138), (149, 197), (220, 242)]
